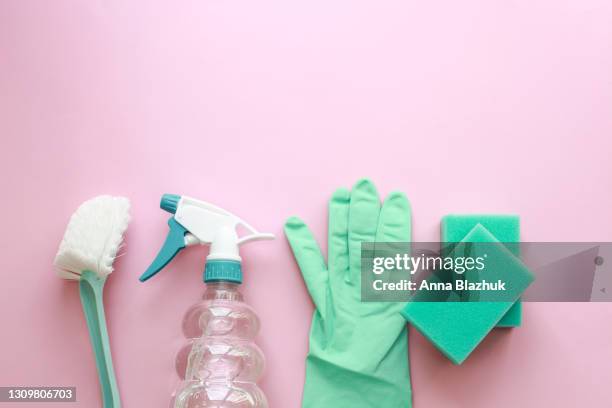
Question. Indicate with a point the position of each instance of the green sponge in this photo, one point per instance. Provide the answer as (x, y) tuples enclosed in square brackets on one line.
[(456, 328), (505, 228)]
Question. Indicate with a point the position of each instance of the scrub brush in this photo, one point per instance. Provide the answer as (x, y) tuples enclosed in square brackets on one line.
[(86, 254)]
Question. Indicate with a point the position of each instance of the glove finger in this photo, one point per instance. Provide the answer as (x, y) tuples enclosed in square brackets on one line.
[(394, 223), (337, 240), (309, 258), (394, 227), (364, 210)]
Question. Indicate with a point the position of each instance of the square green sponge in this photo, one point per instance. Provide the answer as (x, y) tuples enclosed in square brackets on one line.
[(457, 327), (505, 228)]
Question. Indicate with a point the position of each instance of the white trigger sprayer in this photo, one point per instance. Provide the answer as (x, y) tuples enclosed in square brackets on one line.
[(198, 222), (220, 364)]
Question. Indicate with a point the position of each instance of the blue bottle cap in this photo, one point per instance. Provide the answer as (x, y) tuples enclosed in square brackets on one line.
[(222, 270)]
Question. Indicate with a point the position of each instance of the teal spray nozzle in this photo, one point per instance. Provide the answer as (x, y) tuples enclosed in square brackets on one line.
[(198, 222)]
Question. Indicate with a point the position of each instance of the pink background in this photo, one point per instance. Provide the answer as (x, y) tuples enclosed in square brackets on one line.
[(265, 107)]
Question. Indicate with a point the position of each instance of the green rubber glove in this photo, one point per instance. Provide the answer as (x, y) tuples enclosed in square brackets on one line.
[(358, 354)]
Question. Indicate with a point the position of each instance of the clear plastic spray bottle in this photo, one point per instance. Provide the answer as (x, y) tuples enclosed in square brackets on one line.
[(220, 364)]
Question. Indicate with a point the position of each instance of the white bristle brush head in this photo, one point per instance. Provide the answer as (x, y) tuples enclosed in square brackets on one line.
[(93, 237)]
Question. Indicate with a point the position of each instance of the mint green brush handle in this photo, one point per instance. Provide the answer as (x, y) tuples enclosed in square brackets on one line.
[(91, 287)]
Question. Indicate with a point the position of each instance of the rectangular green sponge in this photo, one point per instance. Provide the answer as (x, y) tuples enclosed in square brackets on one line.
[(505, 228), (456, 328)]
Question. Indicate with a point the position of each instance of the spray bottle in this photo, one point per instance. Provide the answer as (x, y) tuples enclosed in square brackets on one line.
[(220, 364)]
